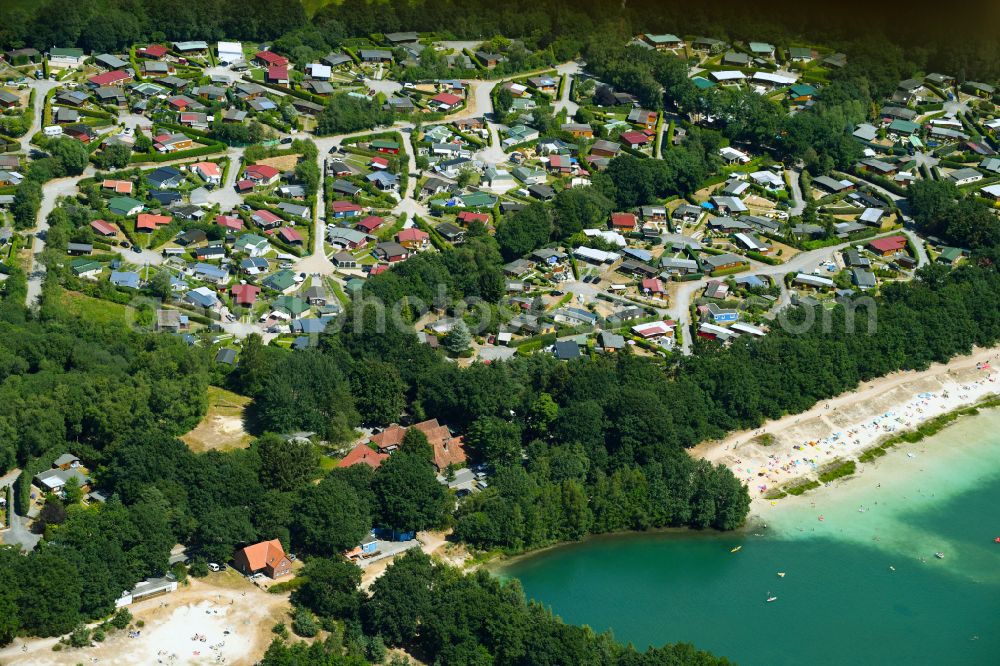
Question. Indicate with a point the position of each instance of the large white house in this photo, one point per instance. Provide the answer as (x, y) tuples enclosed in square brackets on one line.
[(230, 52)]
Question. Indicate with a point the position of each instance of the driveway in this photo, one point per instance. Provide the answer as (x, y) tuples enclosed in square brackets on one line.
[(52, 191), (567, 70), (18, 533), (800, 203)]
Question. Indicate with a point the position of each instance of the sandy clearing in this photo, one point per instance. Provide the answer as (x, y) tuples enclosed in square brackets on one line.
[(204, 608), (281, 162), (223, 426), (844, 427)]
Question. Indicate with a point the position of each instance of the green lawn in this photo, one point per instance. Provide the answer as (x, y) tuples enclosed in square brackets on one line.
[(95, 309)]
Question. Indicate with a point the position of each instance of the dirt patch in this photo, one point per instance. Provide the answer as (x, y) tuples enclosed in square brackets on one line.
[(174, 625), (222, 429), (282, 162)]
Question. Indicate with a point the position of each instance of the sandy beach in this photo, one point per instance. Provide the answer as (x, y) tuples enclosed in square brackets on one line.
[(842, 428)]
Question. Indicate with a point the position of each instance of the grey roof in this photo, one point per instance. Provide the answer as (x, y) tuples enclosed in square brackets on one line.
[(110, 61), (65, 459), (337, 59), (611, 340), (723, 259), (345, 187), (566, 350), (226, 355), (294, 209)]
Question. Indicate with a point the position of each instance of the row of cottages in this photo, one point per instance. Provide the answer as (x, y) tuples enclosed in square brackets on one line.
[(448, 449)]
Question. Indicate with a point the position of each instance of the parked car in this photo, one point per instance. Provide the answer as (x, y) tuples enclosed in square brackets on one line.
[(286, 140), (212, 566)]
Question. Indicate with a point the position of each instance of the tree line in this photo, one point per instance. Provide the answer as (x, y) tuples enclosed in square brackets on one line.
[(559, 26)]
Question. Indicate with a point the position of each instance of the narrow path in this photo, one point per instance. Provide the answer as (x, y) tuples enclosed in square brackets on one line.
[(794, 176)]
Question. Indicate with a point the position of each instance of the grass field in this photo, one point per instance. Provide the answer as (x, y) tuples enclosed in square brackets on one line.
[(222, 428), (95, 309)]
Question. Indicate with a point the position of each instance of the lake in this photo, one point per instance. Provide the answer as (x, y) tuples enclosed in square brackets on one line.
[(862, 585)]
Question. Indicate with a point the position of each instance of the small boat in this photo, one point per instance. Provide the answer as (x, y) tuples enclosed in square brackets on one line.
[(997, 540), (939, 555), (892, 568), (771, 597), (736, 550), (781, 574)]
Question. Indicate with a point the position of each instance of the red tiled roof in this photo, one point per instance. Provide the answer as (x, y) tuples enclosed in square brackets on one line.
[(109, 78), (208, 169), (263, 554), (344, 206), (119, 186), (412, 235), (634, 138), (652, 284), (370, 223), (266, 216), (150, 221), (260, 172), (245, 294), (623, 220), (378, 270), (447, 99), (271, 58), (230, 222), (104, 228), (290, 235), (468, 217), (277, 73), (888, 244), (362, 453), (447, 449), (154, 51), (244, 185)]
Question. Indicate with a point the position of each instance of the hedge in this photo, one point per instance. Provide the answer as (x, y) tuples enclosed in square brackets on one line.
[(437, 240), (142, 158)]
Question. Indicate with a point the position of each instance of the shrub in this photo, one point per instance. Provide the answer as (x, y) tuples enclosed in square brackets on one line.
[(198, 569), (80, 637), (304, 624), (121, 619)]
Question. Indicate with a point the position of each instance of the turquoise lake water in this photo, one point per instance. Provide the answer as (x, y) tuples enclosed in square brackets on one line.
[(839, 601)]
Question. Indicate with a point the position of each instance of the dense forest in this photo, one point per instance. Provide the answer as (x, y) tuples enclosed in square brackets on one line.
[(962, 43)]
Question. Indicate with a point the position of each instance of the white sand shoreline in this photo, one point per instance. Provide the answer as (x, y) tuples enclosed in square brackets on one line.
[(842, 428)]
